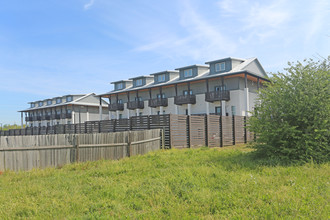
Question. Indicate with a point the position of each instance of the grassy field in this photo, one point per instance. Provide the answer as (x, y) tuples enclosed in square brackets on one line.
[(172, 184)]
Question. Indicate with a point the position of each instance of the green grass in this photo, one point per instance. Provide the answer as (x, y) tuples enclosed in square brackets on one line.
[(173, 184)]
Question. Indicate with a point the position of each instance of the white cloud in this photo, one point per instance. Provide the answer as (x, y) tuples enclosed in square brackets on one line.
[(198, 38), (89, 4)]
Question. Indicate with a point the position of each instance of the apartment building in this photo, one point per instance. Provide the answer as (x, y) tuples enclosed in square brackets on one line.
[(225, 86), (68, 109)]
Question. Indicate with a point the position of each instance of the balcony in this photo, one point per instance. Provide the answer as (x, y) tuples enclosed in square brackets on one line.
[(45, 117), (153, 103), (66, 116), (217, 96), (185, 99), (116, 107), (135, 105), (29, 118), (56, 116)]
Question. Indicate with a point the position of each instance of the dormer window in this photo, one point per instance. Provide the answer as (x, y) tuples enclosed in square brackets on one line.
[(41, 103), (69, 99), (120, 86), (187, 73), (138, 82), (220, 67), (161, 78), (58, 100), (49, 102), (33, 105)]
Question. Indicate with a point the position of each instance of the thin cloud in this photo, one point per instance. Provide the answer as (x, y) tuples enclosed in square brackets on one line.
[(88, 5)]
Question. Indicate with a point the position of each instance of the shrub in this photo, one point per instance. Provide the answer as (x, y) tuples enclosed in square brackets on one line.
[(291, 118)]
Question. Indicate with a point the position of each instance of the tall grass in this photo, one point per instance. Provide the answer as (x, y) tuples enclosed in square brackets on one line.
[(172, 184)]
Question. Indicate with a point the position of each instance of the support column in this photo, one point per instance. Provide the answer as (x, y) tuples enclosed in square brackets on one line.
[(247, 99), (137, 112), (109, 115), (87, 114), (161, 110), (150, 111), (100, 109), (207, 105), (22, 120), (128, 113), (72, 115), (189, 109), (223, 108), (117, 114), (176, 109)]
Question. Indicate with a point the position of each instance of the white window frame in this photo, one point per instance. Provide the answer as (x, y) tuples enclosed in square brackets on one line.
[(161, 78), (138, 82), (220, 67), (49, 102), (187, 73), (69, 99), (58, 100), (120, 86)]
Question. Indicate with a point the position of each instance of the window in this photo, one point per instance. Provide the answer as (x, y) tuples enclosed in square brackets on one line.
[(58, 112), (161, 78), (39, 125), (58, 100), (161, 96), (186, 111), (120, 101), (138, 82), (220, 67), (49, 102), (33, 105), (68, 111), (233, 110), (187, 73), (69, 98), (41, 103), (69, 122), (138, 99), (48, 124), (120, 116), (220, 88), (120, 85), (140, 113), (185, 92), (218, 110)]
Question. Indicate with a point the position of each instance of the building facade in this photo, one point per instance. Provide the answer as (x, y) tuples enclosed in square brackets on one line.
[(68, 109), (226, 87)]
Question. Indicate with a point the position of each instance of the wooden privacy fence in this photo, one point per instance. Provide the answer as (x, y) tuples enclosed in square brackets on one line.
[(208, 130), (180, 131), (41, 151)]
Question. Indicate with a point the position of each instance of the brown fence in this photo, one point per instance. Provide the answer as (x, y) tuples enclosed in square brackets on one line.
[(181, 131), (41, 151)]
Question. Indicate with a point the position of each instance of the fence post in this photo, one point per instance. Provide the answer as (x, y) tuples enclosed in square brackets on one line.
[(148, 122), (130, 123), (85, 127), (163, 138), (245, 131), (233, 122), (77, 148), (188, 130), (99, 126), (114, 125), (206, 130), (129, 145), (221, 131)]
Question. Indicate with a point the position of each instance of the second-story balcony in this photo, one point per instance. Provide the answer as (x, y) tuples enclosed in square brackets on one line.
[(36, 118), (135, 105), (185, 99), (45, 117), (116, 107), (217, 96), (29, 118), (55, 116), (153, 103), (66, 115)]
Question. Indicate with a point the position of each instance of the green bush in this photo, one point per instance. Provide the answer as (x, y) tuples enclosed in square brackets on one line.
[(291, 119)]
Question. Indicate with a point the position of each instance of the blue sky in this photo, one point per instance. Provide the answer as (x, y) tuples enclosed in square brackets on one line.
[(53, 48)]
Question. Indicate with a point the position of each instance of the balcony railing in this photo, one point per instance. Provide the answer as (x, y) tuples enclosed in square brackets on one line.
[(116, 107), (135, 105), (45, 117), (29, 118), (185, 99), (66, 116), (217, 96), (153, 103), (56, 116)]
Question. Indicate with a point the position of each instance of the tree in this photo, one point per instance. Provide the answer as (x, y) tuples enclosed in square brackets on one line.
[(291, 119)]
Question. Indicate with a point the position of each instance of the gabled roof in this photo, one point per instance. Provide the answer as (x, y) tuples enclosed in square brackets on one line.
[(224, 59), (192, 66)]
